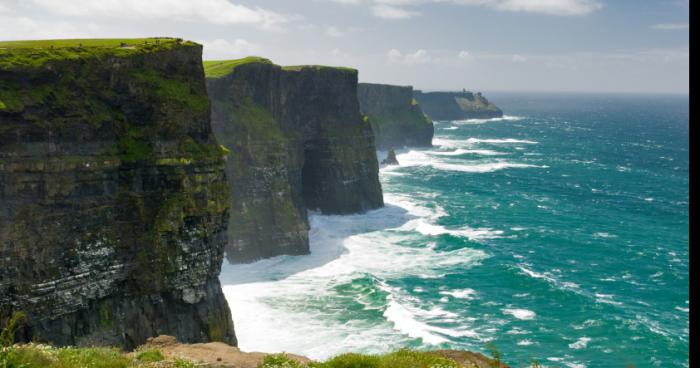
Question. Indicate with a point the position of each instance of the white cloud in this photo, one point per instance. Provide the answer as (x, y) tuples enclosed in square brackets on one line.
[(421, 56), (394, 55), (220, 12), (24, 28), (396, 9), (671, 26), (391, 12), (464, 55), (223, 49), (550, 7)]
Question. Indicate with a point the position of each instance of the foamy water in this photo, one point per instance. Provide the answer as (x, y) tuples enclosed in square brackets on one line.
[(522, 232)]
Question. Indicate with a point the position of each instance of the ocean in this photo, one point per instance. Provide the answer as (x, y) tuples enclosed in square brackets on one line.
[(558, 233)]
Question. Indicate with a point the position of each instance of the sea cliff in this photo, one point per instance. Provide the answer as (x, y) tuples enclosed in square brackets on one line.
[(457, 105), (395, 116), (298, 142), (113, 199)]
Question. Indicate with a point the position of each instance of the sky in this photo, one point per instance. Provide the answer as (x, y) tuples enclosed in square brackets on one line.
[(640, 46)]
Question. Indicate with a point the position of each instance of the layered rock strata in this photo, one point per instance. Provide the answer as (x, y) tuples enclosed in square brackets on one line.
[(298, 142), (113, 198), (395, 116)]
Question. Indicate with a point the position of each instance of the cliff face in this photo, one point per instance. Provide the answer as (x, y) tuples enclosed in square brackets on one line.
[(113, 199), (457, 105), (297, 142), (396, 118)]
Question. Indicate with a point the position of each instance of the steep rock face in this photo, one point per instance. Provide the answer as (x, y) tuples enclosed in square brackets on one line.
[(396, 118), (457, 105), (297, 142), (113, 199)]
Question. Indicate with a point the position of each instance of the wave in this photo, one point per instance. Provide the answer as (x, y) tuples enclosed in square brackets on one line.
[(467, 294), (429, 229), (490, 120), (522, 314), (423, 159), (500, 141), (288, 297), (471, 142), (461, 151)]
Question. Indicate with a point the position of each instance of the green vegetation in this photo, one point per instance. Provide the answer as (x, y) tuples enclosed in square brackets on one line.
[(150, 356), (297, 68), (21, 54), (40, 356), (399, 359), (221, 68)]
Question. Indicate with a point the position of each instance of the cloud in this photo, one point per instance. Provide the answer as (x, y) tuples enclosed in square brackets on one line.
[(397, 9), (671, 26), (219, 12), (465, 56), (25, 28), (421, 56), (223, 49), (549, 7), (392, 12)]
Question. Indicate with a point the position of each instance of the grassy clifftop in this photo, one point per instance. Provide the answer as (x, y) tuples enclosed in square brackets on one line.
[(220, 68), (33, 53)]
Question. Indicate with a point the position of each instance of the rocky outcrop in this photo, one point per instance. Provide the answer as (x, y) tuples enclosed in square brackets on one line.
[(390, 158), (457, 105), (113, 199), (396, 118), (297, 142)]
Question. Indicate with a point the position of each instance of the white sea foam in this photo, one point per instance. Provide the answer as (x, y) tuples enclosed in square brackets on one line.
[(462, 151), (467, 294), (581, 343), (424, 159), (490, 120), (287, 297), (426, 228), (523, 314)]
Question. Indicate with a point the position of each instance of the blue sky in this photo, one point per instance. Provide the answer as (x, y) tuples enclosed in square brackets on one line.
[(510, 45)]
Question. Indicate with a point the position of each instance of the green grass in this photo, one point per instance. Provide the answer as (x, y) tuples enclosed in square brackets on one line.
[(150, 356), (298, 68), (399, 359), (34, 53), (88, 42), (221, 68)]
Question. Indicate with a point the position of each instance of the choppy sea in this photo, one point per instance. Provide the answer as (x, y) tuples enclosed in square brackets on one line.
[(558, 233)]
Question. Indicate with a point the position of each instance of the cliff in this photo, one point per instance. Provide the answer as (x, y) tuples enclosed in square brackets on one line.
[(297, 142), (113, 199), (457, 105), (396, 118)]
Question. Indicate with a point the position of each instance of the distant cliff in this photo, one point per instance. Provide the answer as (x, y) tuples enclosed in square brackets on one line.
[(456, 105), (396, 118), (297, 142), (113, 200)]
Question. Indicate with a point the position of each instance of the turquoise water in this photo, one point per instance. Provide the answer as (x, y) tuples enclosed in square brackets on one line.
[(558, 233)]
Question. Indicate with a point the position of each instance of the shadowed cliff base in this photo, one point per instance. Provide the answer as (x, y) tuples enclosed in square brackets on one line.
[(113, 200), (297, 142)]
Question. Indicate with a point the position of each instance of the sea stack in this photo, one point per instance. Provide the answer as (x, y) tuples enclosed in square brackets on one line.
[(298, 142), (113, 199), (390, 158)]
